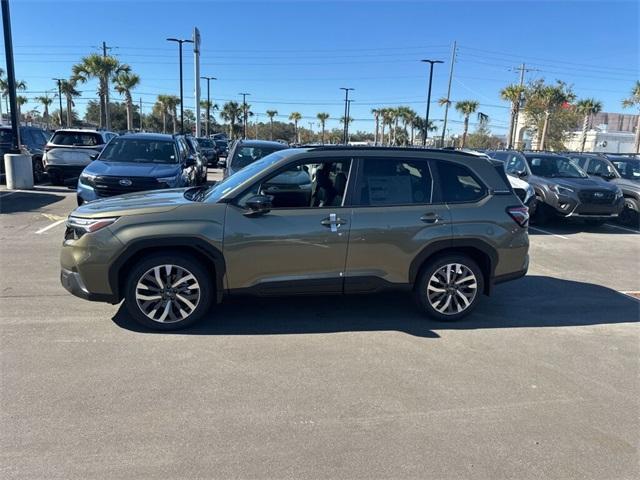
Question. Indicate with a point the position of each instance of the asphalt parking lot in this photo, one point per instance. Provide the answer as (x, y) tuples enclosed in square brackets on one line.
[(541, 382)]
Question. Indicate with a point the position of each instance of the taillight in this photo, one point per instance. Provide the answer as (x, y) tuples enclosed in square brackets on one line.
[(520, 215)]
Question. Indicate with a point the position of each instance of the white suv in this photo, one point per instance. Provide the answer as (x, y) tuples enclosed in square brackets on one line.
[(70, 150)]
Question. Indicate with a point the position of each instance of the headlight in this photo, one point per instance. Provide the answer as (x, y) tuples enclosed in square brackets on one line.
[(561, 190), (530, 193), (89, 225), (88, 179)]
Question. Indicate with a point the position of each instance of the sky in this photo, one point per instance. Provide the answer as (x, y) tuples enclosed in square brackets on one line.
[(295, 56)]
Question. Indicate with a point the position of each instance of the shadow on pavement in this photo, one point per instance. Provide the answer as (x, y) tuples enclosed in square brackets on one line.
[(533, 301), (26, 201)]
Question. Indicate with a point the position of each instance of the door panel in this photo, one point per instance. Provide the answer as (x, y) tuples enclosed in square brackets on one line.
[(299, 250), (385, 240)]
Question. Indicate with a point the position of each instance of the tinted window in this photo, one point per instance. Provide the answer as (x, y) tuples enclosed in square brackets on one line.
[(499, 155), (627, 167), (599, 167), (552, 167), (78, 139), (394, 182), (139, 150), (205, 143), (27, 137), (458, 183), (5, 136), (515, 163), (245, 155)]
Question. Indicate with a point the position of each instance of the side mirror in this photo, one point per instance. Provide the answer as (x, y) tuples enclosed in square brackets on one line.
[(93, 156), (521, 173), (190, 161), (258, 205)]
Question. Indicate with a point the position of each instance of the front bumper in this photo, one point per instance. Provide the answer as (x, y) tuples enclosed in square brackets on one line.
[(72, 282), (572, 207)]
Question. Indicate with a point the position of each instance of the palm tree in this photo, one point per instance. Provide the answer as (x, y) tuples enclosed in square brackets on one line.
[(376, 118), (412, 118), (296, 117), (420, 126), (20, 100), (634, 101), (231, 112), (125, 82), (387, 119), (512, 93), (161, 106), (550, 98), (46, 101), (271, 114), (587, 107), (68, 89), (466, 108), (168, 104), (322, 117), (207, 106), (4, 88), (103, 69)]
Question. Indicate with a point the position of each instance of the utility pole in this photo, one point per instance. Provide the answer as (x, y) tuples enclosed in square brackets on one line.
[(345, 137), (208, 79), (196, 76), (244, 114), (59, 80), (107, 117), (516, 112), (141, 123), (446, 107), (180, 42), (426, 118), (11, 78)]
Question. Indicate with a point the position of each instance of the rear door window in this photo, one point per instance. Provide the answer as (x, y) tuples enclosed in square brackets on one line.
[(77, 139), (387, 181), (458, 184)]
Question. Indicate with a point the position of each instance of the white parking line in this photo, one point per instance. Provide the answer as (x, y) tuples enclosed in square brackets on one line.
[(6, 194), (621, 228), (48, 227), (548, 233)]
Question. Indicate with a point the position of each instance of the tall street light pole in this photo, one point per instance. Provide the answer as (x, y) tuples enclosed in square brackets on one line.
[(426, 118), (59, 80), (180, 42), (244, 114), (11, 78), (208, 79), (346, 113)]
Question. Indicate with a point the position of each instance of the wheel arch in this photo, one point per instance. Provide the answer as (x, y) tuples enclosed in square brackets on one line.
[(481, 252), (206, 253)]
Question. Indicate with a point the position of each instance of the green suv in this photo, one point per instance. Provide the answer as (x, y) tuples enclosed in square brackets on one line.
[(318, 220)]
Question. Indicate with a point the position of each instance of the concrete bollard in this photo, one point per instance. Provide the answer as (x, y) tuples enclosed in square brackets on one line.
[(19, 171)]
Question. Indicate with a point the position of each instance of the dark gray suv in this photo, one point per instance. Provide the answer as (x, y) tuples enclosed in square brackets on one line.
[(323, 220)]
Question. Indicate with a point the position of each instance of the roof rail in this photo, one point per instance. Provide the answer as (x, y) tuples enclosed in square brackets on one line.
[(384, 149)]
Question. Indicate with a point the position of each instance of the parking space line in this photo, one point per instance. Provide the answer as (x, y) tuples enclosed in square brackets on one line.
[(48, 227), (621, 228), (6, 194), (548, 233)]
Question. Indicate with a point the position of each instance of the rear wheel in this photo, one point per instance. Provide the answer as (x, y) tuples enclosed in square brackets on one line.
[(39, 174), (168, 292), (630, 214), (56, 178), (449, 287)]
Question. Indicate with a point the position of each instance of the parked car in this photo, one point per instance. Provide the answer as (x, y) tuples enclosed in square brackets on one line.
[(373, 219), (201, 160), (209, 150), (33, 140), (136, 162), (602, 167), (70, 150), (245, 152)]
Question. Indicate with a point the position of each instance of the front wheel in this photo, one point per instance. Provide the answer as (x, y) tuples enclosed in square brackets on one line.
[(630, 214), (168, 292), (449, 287)]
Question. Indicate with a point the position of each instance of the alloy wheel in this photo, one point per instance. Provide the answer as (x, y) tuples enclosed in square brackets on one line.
[(452, 289), (167, 293)]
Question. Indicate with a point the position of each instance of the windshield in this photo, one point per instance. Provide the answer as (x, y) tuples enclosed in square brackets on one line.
[(627, 167), (139, 151), (77, 139), (219, 189), (247, 155), (554, 167), (205, 143), (5, 136)]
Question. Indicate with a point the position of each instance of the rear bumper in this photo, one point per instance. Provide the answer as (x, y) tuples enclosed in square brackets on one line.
[(67, 171), (512, 275), (72, 282)]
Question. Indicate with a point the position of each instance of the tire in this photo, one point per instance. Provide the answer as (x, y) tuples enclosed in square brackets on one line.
[(39, 174), (167, 312), (57, 178), (450, 306), (543, 212), (630, 214)]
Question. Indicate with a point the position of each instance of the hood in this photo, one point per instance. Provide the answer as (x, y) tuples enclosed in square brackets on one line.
[(627, 184), (154, 201), (582, 183), (132, 169)]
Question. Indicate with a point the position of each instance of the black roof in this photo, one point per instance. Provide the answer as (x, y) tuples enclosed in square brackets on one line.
[(387, 149), (149, 136)]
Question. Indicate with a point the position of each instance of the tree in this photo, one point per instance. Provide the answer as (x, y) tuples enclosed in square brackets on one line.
[(208, 106), (322, 118), (21, 85), (125, 82), (46, 101), (634, 101), (68, 89), (169, 104), (587, 107), (231, 112), (512, 93), (103, 69), (161, 106), (387, 120), (466, 108), (376, 117), (296, 117), (419, 124), (20, 101), (271, 114), (118, 114), (546, 101)]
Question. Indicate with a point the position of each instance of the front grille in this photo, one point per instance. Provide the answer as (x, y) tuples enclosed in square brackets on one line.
[(597, 197), (521, 193), (110, 186)]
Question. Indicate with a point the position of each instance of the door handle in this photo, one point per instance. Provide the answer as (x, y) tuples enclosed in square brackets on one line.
[(332, 221), (431, 218)]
